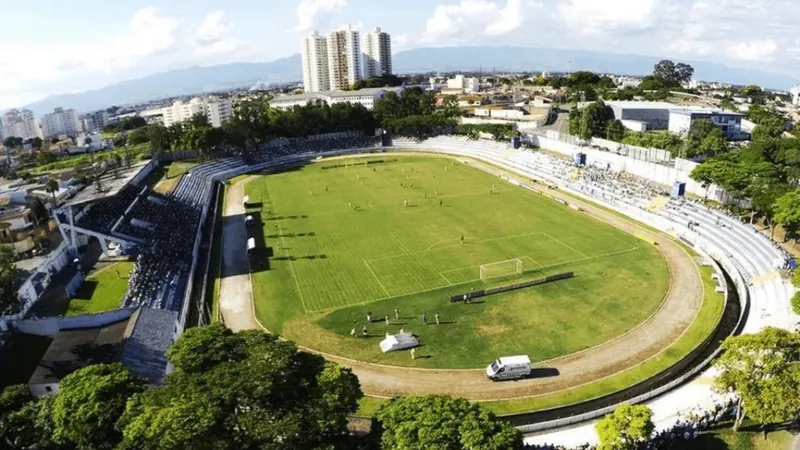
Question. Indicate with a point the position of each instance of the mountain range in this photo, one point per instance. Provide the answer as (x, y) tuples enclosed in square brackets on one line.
[(194, 80)]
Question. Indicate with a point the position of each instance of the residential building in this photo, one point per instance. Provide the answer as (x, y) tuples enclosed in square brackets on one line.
[(460, 83), (60, 122), (21, 124), (367, 97), (314, 53), (377, 53), (217, 109), (94, 121), (796, 95), (344, 58)]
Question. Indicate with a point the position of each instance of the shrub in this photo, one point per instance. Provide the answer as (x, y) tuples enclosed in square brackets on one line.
[(796, 303)]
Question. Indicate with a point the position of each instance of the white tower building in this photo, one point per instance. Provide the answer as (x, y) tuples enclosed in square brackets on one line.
[(377, 54), (796, 95), (314, 52), (61, 122), (21, 124), (344, 58)]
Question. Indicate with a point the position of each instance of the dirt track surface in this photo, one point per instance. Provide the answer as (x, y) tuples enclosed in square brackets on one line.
[(647, 340), (235, 290)]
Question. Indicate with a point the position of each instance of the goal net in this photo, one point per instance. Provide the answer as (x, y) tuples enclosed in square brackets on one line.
[(498, 269)]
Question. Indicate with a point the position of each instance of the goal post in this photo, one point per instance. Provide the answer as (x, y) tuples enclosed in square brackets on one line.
[(509, 267)]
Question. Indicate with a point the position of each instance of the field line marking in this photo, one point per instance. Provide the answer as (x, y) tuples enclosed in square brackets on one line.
[(400, 244), (366, 263), (449, 283), (565, 245)]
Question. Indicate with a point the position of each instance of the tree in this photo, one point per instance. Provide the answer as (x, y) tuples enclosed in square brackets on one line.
[(21, 426), (52, 188), (769, 127), (673, 75), (787, 213), (705, 139), (764, 369), (45, 157), (796, 303), (441, 422), (12, 142), (159, 138), (37, 143), (89, 403), (594, 119), (247, 390), (651, 83), (625, 428), (615, 131), (9, 298)]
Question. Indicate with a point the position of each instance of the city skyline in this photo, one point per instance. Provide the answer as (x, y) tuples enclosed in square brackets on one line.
[(133, 39)]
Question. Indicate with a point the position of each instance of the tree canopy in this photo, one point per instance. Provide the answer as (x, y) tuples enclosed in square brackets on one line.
[(625, 428), (89, 403), (247, 390), (9, 298), (672, 74), (764, 369), (440, 422)]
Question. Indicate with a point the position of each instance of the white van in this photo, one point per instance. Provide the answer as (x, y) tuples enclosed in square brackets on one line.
[(509, 368)]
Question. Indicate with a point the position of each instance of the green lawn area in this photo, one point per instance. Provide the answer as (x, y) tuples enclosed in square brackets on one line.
[(333, 264), (102, 290), (177, 169)]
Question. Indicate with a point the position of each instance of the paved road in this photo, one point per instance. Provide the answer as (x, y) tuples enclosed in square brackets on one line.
[(235, 291), (679, 308)]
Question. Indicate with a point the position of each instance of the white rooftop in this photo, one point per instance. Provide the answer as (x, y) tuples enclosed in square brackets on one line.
[(634, 104)]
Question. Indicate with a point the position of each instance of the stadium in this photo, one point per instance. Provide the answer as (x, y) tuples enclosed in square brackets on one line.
[(338, 241)]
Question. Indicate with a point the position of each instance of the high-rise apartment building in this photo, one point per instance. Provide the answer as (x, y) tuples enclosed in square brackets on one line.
[(344, 58), (94, 121), (60, 122), (20, 124), (314, 52), (377, 53), (217, 110)]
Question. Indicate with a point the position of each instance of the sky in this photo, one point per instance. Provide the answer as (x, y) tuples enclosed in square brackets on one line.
[(59, 46)]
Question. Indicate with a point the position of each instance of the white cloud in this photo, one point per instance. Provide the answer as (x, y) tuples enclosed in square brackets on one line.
[(212, 29), (470, 18), (756, 50), (310, 12), (600, 16)]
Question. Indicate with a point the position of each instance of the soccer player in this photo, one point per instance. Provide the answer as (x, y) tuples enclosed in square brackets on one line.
[(437, 318), (396, 314), (462, 238), (424, 319)]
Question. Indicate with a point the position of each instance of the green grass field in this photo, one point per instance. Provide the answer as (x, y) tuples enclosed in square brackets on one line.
[(332, 263), (102, 290), (177, 169)]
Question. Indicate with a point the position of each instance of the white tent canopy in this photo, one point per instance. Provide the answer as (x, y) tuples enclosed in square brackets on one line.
[(399, 341), (251, 245)]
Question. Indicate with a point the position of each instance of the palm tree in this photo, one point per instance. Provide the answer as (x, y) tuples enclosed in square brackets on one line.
[(51, 188)]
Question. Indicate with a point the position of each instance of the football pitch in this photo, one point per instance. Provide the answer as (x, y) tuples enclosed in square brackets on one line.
[(379, 233)]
